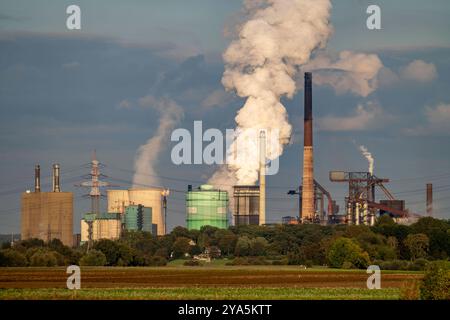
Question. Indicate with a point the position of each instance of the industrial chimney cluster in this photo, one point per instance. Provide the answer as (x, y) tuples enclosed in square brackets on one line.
[(47, 215)]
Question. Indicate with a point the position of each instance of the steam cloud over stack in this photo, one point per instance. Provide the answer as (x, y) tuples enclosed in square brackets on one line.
[(261, 65)]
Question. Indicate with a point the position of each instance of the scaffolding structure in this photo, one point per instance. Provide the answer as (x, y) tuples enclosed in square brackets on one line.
[(360, 204)]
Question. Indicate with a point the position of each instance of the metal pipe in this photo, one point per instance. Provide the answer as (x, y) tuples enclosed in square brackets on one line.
[(308, 212), (366, 218), (349, 212), (262, 177), (56, 187), (37, 178), (357, 214)]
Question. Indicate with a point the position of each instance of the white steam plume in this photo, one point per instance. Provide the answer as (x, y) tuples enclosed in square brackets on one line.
[(147, 154), (365, 152), (278, 37), (350, 72)]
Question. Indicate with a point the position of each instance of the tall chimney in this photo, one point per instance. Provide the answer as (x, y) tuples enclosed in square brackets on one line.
[(37, 178), (262, 177), (56, 187), (308, 164), (430, 199)]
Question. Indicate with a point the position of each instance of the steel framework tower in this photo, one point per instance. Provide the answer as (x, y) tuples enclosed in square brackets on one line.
[(95, 194)]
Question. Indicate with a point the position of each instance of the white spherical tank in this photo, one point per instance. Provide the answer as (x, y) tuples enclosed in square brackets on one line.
[(149, 197), (117, 200)]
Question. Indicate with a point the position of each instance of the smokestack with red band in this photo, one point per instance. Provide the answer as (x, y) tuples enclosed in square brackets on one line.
[(56, 187), (37, 178), (430, 199), (308, 164)]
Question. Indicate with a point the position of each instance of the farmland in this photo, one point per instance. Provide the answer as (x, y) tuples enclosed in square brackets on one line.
[(205, 282)]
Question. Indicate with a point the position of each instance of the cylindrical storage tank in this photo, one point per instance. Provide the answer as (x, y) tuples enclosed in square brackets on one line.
[(118, 200), (151, 198), (206, 206)]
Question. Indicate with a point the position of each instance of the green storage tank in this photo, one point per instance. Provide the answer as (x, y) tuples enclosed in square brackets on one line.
[(138, 218), (206, 206)]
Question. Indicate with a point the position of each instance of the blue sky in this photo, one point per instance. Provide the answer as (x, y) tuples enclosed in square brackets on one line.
[(61, 93)]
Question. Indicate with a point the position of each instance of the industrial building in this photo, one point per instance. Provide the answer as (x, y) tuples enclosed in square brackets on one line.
[(47, 215), (139, 218), (289, 220), (100, 226), (206, 206), (246, 205), (153, 198)]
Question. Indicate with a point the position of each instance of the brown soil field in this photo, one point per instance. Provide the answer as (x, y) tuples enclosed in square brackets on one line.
[(167, 277)]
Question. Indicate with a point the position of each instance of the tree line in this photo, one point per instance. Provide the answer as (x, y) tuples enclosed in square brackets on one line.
[(387, 244)]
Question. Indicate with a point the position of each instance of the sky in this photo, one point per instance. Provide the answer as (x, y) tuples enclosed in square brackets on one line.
[(66, 92)]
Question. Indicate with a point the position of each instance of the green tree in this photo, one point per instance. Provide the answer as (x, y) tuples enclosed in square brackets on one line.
[(436, 282), (93, 258), (417, 245), (43, 258), (12, 258), (179, 232), (258, 246), (344, 251), (437, 232), (180, 247), (116, 253), (226, 241), (243, 246)]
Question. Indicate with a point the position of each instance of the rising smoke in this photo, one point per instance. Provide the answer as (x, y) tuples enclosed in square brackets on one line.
[(147, 154), (261, 65), (365, 152)]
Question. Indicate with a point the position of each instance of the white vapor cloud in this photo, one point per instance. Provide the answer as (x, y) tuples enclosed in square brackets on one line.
[(420, 71), (217, 98), (365, 117), (148, 153), (350, 72), (437, 121)]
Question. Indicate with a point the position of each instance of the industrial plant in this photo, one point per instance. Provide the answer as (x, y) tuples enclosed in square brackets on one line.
[(49, 215)]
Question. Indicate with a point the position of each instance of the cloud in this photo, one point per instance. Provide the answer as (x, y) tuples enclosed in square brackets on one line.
[(217, 98), (350, 72), (124, 104), (71, 65), (148, 154), (365, 117), (439, 116), (8, 17), (420, 71), (437, 121)]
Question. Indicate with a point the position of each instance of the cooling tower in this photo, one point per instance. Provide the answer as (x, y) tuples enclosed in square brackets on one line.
[(152, 198), (118, 200)]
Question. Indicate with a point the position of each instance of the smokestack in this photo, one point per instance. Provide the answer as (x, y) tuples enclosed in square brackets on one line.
[(262, 177), (430, 199), (37, 178), (56, 187), (308, 164)]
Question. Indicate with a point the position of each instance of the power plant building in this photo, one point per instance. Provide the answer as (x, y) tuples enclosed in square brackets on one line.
[(47, 215), (246, 205), (104, 226), (139, 218), (119, 200), (206, 206)]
